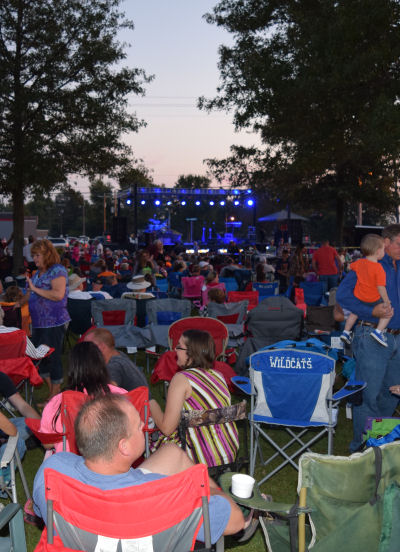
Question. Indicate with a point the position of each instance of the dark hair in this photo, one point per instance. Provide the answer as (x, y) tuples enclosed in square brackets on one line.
[(200, 349), (100, 425), (391, 232), (87, 370)]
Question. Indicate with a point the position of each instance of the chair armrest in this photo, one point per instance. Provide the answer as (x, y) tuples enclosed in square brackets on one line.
[(243, 383), (9, 451), (8, 512), (349, 389), (256, 501)]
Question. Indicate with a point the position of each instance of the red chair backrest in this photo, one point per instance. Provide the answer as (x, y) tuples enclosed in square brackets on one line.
[(139, 397), (71, 403), (216, 328), (12, 344), (131, 513), (251, 296)]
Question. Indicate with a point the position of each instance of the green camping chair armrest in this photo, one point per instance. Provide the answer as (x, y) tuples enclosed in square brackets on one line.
[(256, 501)]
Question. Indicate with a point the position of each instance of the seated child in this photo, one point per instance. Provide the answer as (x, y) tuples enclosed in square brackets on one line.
[(371, 285)]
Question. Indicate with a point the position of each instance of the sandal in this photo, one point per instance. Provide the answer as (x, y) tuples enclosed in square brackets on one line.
[(30, 516)]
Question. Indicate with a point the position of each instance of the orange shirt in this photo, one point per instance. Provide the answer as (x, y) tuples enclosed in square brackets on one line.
[(369, 276)]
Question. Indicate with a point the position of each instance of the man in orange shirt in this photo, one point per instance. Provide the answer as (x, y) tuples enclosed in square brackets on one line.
[(327, 264)]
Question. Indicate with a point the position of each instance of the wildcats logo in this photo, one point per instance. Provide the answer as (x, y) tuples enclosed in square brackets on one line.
[(288, 362)]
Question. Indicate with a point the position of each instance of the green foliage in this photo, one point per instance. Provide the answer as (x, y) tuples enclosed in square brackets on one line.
[(319, 81), (192, 181), (63, 95)]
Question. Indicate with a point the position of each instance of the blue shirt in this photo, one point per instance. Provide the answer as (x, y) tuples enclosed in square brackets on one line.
[(346, 299), (74, 466)]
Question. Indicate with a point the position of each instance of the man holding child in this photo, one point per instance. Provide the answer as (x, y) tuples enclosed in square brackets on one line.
[(378, 366)]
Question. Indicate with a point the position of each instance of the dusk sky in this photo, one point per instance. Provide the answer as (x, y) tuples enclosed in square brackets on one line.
[(172, 41)]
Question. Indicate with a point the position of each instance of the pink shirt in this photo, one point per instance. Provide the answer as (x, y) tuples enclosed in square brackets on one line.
[(50, 410)]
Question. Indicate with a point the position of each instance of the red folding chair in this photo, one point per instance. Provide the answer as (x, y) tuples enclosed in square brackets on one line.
[(71, 403), (169, 510), (251, 296), (216, 328), (17, 365)]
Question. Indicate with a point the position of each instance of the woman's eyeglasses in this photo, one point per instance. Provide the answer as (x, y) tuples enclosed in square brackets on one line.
[(179, 348)]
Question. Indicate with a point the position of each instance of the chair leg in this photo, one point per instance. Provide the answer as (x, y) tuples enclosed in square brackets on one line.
[(22, 475)]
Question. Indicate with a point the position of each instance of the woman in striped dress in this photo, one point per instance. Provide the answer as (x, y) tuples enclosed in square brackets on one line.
[(197, 387)]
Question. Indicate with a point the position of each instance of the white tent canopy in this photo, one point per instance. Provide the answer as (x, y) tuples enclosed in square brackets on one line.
[(281, 215)]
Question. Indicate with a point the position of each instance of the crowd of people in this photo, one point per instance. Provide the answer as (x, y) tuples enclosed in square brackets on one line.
[(108, 428)]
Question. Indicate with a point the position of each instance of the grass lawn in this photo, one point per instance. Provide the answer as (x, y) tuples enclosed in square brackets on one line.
[(282, 486)]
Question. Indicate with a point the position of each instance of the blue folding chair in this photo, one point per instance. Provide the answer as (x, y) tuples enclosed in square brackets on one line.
[(265, 289), (230, 284), (291, 388), (162, 284), (314, 293)]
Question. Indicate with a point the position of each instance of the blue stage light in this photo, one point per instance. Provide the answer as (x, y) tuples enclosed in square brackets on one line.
[(157, 202), (183, 203), (250, 202), (211, 203), (143, 202), (222, 203), (236, 202), (169, 202), (236, 192), (198, 203), (129, 201)]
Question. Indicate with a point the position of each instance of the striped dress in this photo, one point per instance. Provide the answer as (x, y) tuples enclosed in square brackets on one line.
[(212, 445)]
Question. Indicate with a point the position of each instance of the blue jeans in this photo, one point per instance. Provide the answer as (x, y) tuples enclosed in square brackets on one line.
[(329, 281), (379, 367)]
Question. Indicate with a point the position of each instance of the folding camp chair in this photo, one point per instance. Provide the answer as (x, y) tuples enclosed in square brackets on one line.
[(314, 293), (204, 294), (12, 516), (71, 403), (250, 296), (9, 460), (113, 312), (230, 283), (17, 365), (291, 387), (233, 316), (80, 312), (191, 288), (161, 314), (162, 515), (162, 284), (242, 277), (265, 289), (229, 313), (12, 315), (175, 284), (216, 328), (345, 503), (215, 419)]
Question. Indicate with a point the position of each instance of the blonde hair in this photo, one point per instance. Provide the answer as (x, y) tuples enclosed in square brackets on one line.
[(370, 244)]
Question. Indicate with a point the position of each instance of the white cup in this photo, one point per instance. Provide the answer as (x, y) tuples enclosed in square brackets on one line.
[(242, 485)]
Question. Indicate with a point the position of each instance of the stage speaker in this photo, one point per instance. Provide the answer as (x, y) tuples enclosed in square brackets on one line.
[(119, 232)]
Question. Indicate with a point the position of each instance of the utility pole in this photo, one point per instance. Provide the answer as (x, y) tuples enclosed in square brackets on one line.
[(104, 214)]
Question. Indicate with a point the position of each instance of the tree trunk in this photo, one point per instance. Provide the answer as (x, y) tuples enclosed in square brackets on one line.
[(18, 220)]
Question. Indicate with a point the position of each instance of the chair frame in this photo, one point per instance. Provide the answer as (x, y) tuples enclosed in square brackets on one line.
[(198, 418), (56, 485), (296, 429)]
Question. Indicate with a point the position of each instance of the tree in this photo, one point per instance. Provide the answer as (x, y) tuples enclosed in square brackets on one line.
[(193, 181), (63, 95), (319, 81)]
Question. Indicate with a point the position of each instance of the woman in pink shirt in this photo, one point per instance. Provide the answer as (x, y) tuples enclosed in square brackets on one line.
[(88, 374)]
